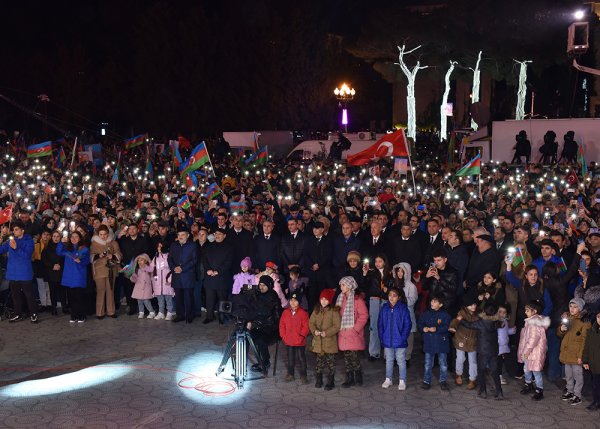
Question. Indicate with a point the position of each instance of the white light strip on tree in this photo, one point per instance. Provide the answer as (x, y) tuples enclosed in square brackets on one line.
[(443, 118), (476, 86), (410, 90), (522, 91)]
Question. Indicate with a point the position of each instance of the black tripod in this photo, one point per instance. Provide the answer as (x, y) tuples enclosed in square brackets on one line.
[(240, 337)]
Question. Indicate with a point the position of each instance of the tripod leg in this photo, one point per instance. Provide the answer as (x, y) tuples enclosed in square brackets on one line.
[(255, 351), (226, 354)]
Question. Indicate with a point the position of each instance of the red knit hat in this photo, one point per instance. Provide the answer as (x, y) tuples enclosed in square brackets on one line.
[(328, 294)]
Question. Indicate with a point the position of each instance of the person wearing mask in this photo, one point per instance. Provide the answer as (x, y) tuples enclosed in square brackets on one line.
[(19, 271)]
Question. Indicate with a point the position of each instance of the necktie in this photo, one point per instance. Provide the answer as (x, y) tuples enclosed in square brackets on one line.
[(374, 241), (431, 241), (267, 237)]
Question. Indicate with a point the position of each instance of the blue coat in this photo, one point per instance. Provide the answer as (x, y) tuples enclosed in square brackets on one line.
[(438, 341), (74, 274), (394, 325), (186, 257), (19, 266)]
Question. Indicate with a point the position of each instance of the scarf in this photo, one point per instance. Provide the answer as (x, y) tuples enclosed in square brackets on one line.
[(348, 314)]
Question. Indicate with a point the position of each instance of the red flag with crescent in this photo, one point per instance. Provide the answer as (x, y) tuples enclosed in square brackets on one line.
[(393, 144)]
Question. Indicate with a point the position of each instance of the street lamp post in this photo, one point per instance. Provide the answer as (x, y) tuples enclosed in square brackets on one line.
[(344, 94)]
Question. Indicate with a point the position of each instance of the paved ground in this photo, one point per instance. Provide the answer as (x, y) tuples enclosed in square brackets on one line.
[(124, 373)]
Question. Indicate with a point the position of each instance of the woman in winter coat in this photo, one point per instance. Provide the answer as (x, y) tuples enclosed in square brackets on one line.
[(379, 280), (325, 322), (402, 274), (532, 349), (53, 270), (589, 289), (77, 258), (161, 284), (591, 360), (394, 327), (351, 338), (143, 289), (106, 256)]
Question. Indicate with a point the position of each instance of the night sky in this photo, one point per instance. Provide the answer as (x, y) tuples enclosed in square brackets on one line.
[(203, 67)]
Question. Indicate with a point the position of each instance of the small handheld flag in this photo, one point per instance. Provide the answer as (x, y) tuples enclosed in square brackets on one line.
[(212, 191), (184, 202), (471, 168), (39, 150), (129, 269)]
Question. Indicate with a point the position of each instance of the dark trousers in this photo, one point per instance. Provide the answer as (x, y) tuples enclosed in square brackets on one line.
[(513, 367), (77, 300), (57, 293), (596, 388), (262, 346), (213, 297), (487, 363), (292, 352), (184, 303), (19, 288), (554, 367)]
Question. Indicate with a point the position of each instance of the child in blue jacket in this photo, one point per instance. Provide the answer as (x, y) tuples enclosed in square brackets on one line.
[(434, 325), (394, 327)]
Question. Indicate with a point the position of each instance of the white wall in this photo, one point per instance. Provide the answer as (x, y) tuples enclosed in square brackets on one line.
[(504, 132)]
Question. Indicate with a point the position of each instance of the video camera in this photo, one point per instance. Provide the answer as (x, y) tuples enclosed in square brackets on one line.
[(243, 305)]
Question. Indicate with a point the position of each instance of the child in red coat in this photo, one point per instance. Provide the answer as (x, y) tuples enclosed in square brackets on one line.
[(293, 329)]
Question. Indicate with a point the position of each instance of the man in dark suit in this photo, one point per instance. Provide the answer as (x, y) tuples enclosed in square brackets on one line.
[(357, 230), (418, 233), (342, 245), (375, 243), (266, 246), (434, 241), (406, 248), (318, 253), (292, 248), (240, 241)]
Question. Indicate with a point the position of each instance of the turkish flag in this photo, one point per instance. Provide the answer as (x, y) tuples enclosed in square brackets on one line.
[(571, 178), (6, 214), (393, 144), (183, 142)]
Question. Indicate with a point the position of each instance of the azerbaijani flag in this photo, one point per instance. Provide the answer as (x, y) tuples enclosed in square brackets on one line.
[(258, 158), (518, 258), (197, 159), (39, 150), (60, 158), (191, 180), (129, 269), (471, 168), (562, 267), (237, 206), (212, 191), (184, 202), (255, 142), (176, 155), (582, 161), (135, 141)]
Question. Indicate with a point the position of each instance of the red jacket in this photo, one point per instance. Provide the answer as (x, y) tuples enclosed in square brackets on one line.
[(294, 329)]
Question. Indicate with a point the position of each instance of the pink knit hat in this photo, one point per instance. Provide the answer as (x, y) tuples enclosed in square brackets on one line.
[(246, 262)]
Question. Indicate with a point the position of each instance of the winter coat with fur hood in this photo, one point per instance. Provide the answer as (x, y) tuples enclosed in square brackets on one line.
[(533, 344), (465, 338), (410, 290)]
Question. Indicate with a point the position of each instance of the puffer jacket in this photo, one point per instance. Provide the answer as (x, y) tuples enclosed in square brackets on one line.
[(74, 273), (293, 327), (354, 338), (438, 341), (487, 334), (394, 325), (241, 279), (573, 340), (326, 320), (19, 267), (533, 342), (591, 350), (143, 280), (465, 338), (410, 291), (161, 275)]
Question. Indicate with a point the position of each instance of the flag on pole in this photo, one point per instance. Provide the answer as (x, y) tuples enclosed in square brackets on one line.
[(582, 161), (39, 150), (393, 144), (115, 178), (197, 159), (6, 214), (177, 161), (60, 158), (212, 191), (258, 158), (255, 142), (471, 168), (149, 170), (184, 203), (129, 269), (183, 142), (135, 141), (562, 267)]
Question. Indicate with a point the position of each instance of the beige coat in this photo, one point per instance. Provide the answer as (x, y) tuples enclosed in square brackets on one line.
[(327, 320), (98, 246)]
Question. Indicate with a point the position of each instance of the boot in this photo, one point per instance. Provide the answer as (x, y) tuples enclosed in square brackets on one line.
[(538, 395), (349, 380), (330, 382), (527, 388), (319, 380), (358, 377)]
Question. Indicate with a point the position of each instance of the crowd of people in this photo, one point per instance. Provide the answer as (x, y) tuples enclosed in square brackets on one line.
[(499, 271)]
